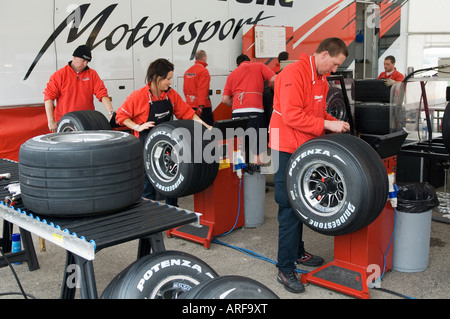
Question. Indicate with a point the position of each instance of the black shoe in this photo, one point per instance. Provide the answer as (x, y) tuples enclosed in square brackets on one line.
[(290, 281), (309, 260)]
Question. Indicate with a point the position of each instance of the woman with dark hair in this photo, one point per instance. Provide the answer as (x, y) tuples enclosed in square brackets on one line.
[(151, 105)]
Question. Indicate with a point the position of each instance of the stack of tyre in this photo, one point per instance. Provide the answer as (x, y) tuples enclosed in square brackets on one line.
[(373, 109), (80, 173)]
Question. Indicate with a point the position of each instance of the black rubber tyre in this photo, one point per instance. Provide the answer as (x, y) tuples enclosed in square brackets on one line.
[(81, 173), (230, 287), (446, 127), (160, 275), (174, 161), (372, 118), (88, 120), (337, 184), (372, 90)]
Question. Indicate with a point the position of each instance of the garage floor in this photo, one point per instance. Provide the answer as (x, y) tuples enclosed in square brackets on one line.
[(433, 283)]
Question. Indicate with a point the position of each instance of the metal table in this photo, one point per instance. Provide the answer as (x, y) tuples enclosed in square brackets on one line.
[(83, 237)]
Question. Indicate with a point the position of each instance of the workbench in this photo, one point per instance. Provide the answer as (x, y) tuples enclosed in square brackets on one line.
[(82, 237)]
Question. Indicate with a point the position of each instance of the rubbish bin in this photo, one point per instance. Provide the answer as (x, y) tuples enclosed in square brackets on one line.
[(413, 227), (254, 198)]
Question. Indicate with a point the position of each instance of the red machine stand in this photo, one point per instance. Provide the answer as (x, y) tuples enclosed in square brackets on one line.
[(359, 257), (219, 204)]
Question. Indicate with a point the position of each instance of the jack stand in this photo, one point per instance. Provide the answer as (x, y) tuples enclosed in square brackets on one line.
[(359, 256)]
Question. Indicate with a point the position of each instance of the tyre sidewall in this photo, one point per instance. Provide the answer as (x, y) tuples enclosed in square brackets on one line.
[(150, 275), (177, 185)]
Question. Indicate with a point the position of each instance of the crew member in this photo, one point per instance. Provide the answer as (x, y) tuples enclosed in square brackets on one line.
[(196, 88), (244, 93), (299, 114), (390, 74), (151, 105), (73, 88), (282, 56)]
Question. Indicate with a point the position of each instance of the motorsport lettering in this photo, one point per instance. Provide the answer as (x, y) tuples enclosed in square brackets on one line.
[(147, 32)]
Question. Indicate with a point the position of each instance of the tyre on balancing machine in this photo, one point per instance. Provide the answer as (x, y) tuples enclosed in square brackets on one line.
[(336, 184)]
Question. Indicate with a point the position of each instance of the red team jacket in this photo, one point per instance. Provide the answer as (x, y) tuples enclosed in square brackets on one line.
[(299, 106), (74, 92), (196, 85)]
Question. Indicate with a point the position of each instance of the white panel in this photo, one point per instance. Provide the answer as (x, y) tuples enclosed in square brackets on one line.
[(118, 91), (429, 16), (23, 31), (152, 19), (107, 25)]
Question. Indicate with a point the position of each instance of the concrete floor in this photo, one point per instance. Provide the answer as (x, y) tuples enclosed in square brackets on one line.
[(433, 283)]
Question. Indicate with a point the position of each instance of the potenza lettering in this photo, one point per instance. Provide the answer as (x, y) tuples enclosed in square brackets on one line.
[(147, 31), (307, 153)]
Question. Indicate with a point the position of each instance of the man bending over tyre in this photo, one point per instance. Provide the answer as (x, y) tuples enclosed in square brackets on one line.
[(299, 114)]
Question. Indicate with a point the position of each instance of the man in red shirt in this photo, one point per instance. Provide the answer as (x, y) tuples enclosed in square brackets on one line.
[(390, 74), (244, 93), (196, 88), (282, 56), (299, 114), (73, 88)]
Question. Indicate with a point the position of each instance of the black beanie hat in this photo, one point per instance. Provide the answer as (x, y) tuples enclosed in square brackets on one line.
[(83, 52)]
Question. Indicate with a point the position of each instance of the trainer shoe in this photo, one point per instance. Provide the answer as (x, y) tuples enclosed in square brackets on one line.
[(309, 260), (290, 281)]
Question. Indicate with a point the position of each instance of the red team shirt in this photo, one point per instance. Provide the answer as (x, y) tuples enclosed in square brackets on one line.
[(74, 92), (246, 84)]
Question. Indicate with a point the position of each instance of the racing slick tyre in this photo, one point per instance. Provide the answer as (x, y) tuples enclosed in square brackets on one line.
[(337, 184), (81, 173), (375, 118), (446, 127), (372, 118), (174, 158), (372, 90), (230, 287), (87, 120), (160, 275)]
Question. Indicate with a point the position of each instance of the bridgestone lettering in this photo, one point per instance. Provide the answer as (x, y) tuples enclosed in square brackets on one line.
[(336, 223), (171, 187)]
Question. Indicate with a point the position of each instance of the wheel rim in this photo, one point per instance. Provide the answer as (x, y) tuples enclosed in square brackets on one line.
[(337, 109), (323, 188), (164, 161), (172, 287)]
